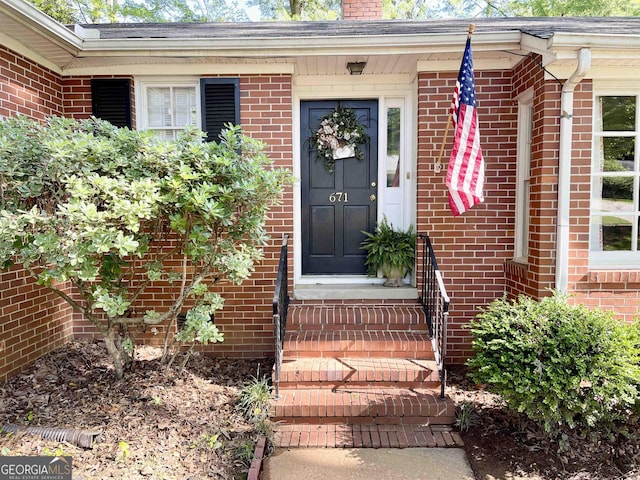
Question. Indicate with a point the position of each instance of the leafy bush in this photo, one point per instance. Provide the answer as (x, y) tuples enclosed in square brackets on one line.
[(559, 364), (116, 213)]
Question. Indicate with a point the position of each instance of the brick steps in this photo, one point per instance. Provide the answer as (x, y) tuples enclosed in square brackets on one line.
[(357, 343), (366, 436), (336, 372), (356, 316), (362, 406), (360, 375)]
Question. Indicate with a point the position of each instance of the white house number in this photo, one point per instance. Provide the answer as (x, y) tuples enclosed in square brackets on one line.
[(339, 197)]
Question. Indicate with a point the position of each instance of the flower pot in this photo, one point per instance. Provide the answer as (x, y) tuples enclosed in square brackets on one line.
[(393, 275)]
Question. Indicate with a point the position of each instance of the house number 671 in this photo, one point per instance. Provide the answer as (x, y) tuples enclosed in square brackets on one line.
[(339, 197)]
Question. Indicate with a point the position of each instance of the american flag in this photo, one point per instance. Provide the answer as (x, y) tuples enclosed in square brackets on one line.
[(465, 176)]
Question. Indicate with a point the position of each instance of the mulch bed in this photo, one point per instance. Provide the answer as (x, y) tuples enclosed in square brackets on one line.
[(156, 424), (153, 424), (504, 445)]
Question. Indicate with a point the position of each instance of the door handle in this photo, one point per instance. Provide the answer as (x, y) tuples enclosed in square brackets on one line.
[(372, 197)]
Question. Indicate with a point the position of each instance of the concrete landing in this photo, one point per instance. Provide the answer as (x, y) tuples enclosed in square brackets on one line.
[(368, 464)]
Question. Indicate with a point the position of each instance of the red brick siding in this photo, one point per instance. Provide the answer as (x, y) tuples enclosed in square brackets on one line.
[(471, 249), (77, 96), (34, 320), (538, 275), (27, 88), (362, 9), (246, 320)]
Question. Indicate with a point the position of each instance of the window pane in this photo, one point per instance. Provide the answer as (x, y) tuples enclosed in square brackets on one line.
[(393, 147), (165, 134), (524, 235), (185, 106), (159, 104), (618, 189), (618, 154), (611, 233), (618, 113)]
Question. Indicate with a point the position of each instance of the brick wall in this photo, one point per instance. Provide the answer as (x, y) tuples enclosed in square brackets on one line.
[(32, 320), (27, 88), (362, 9), (472, 248), (77, 96), (538, 275), (246, 320)]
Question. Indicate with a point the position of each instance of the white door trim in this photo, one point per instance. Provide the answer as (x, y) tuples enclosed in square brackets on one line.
[(353, 88)]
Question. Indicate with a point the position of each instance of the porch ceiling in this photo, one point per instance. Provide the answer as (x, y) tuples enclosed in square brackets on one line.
[(304, 65)]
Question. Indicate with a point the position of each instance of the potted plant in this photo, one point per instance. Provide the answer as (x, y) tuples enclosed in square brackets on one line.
[(392, 252)]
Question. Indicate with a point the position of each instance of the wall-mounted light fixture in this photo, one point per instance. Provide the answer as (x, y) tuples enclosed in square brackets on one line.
[(356, 68)]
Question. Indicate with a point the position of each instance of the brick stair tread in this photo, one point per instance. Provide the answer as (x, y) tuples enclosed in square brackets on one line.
[(388, 316), (365, 436), (342, 405), (350, 371), (357, 343)]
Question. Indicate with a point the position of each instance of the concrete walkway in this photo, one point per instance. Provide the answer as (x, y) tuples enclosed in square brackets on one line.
[(368, 464)]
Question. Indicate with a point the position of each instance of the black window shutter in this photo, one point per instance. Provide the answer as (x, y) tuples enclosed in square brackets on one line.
[(111, 100), (220, 105)]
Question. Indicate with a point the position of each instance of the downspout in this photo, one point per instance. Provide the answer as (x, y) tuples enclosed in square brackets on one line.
[(564, 168)]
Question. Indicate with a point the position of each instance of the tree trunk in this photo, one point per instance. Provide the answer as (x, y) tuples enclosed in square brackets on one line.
[(295, 6), (115, 353)]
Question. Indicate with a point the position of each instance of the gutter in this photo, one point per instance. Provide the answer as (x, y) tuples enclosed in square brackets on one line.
[(270, 46), (564, 168)]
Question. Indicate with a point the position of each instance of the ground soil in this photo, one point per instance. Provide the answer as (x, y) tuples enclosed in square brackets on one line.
[(501, 444), (156, 424), (153, 424)]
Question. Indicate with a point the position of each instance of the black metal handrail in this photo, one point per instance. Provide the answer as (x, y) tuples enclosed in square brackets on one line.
[(280, 309), (435, 303)]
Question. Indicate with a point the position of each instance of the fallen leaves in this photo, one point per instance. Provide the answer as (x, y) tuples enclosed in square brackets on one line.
[(155, 424)]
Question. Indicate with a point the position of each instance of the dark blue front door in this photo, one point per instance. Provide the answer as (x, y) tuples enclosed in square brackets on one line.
[(337, 206)]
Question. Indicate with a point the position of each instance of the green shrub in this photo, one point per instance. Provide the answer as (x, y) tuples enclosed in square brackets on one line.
[(116, 214), (559, 364)]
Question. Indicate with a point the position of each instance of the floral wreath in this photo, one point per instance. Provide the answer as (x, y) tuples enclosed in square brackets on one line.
[(338, 130)]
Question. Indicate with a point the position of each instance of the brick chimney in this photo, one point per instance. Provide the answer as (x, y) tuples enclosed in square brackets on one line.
[(362, 9)]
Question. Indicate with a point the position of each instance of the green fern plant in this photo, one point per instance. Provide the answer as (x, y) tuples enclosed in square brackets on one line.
[(388, 248)]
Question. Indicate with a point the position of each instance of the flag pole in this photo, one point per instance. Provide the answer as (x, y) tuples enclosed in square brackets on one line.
[(438, 165)]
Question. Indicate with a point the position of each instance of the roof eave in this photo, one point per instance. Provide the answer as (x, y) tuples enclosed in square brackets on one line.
[(32, 18), (288, 46)]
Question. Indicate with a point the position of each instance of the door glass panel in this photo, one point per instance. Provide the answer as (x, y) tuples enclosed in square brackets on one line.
[(393, 147)]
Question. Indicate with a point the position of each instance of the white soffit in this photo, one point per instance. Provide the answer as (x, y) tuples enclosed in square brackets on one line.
[(30, 32)]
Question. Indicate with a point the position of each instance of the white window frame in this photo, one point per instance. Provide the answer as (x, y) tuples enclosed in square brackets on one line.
[(142, 107), (615, 259), (523, 176)]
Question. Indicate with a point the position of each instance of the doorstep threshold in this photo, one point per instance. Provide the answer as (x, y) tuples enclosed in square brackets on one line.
[(353, 292)]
